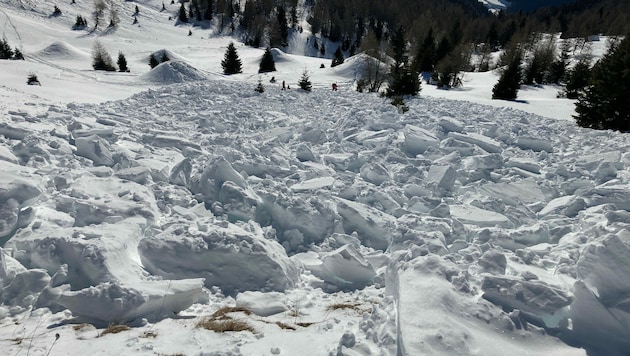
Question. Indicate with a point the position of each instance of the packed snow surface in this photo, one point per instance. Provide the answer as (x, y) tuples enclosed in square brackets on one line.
[(332, 223)]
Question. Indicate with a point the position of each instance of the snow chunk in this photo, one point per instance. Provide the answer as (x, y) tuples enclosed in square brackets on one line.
[(472, 215), (534, 144), (484, 142), (262, 304), (7, 155), (342, 269), (441, 178), (417, 140), (96, 149), (374, 227), (226, 255)]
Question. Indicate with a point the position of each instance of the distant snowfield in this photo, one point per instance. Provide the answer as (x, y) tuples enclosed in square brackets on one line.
[(330, 222)]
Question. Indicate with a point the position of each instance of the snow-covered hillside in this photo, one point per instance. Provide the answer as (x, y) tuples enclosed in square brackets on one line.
[(328, 223)]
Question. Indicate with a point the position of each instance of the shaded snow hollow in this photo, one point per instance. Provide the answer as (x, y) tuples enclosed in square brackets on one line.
[(477, 237)]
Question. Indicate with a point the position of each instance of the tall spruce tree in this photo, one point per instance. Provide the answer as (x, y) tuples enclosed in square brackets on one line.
[(231, 63), (605, 103), (267, 63), (182, 16), (153, 61), (510, 81), (122, 62), (578, 78), (404, 80)]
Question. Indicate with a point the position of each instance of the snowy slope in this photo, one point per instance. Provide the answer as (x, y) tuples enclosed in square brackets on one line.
[(329, 222)]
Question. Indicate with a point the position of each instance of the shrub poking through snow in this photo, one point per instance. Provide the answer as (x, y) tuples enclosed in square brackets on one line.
[(115, 329), (260, 88), (32, 79), (220, 321)]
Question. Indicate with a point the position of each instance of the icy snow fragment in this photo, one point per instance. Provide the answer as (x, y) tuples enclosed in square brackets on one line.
[(342, 269), (226, 255), (472, 215), (534, 297), (417, 140), (534, 144), (441, 178), (374, 173), (137, 174), (484, 142), (7, 155), (96, 149), (313, 184), (262, 304), (373, 226), (451, 124)]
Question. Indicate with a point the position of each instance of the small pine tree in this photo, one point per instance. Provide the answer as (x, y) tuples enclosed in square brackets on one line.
[(165, 57), (337, 58), (153, 62), (101, 60), (604, 104), (122, 62), (267, 63), (137, 10), (305, 81), (32, 79), (17, 55), (5, 50), (56, 11), (80, 23), (260, 88), (509, 83), (231, 63), (182, 16)]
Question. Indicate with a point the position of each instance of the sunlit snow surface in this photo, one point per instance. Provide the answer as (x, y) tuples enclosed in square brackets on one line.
[(346, 226)]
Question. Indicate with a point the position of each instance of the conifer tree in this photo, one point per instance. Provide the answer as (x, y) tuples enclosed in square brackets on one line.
[(578, 78), (404, 80), (182, 14), (153, 62), (5, 50), (605, 103), (122, 62), (305, 81), (509, 83), (283, 26), (101, 60), (337, 58), (267, 63), (260, 87), (231, 63), (165, 57), (17, 54), (207, 14)]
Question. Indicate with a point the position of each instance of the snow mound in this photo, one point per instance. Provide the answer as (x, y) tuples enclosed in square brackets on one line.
[(280, 57), (62, 51), (173, 72)]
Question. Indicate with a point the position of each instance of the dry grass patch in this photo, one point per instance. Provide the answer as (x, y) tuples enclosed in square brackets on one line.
[(304, 324), (342, 306), (223, 325), (115, 329), (220, 321), (222, 312), (284, 326), (148, 334), (81, 326)]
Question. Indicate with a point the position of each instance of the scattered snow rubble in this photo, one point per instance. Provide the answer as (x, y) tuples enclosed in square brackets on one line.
[(484, 229)]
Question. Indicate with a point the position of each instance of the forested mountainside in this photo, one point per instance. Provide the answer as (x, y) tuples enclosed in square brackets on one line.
[(533, 5)]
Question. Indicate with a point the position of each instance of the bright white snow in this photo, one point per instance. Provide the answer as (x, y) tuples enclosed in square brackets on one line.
[(156, 197)]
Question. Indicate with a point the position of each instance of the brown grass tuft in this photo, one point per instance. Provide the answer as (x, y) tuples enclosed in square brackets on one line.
[(225, 324), (148, 334), (115, 329), (222, 312), (341, 306), (284, 326), (304, 324), (81, 326)]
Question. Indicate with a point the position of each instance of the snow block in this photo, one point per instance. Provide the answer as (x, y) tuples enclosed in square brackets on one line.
[(7, 155), (373, 226), (96, 149), (472, 215), (534, 297), (534, 144), (451, 124), (441, 178), (484, 142), (262, 304), (374, 173), (417, 140), (225, 255), (342, 269)]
